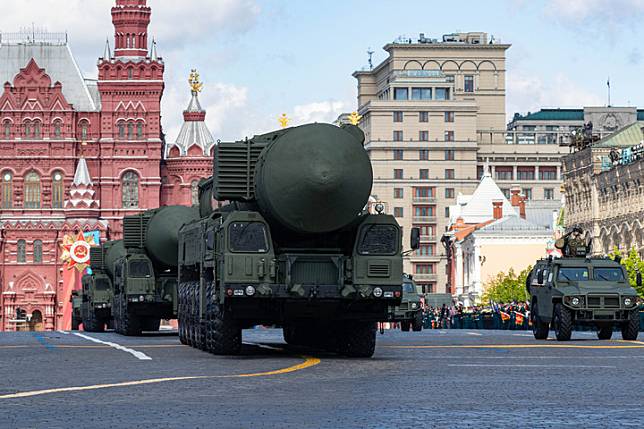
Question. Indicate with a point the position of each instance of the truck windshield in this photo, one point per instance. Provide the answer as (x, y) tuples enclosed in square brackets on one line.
[(378, 239), (139, 269), (608, 274), (572, 274), (409, 288), (102, 284), (248, 237)]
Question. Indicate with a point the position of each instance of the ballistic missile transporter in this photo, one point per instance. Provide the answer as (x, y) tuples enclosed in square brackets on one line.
[(140, 271), (580, 290), (294, 247)]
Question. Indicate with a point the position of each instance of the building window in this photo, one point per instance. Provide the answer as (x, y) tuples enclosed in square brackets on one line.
[(447, 212), (548, 194), (398, 211), (449, 136), (32, 191), (398, 193), (449, 192), (398, 154), (37, 251), (401, 94), (504, 173), (398, 173), (442, 94), (7, 190), (421, 93), (398, 116), (121, 127), (130, 73), (527, 193), (84, 130), (525, 173), (398, 136), (57, 130), (423, 155), (139, 130), (449, 116), (194, 191), (27, 129), (449, 173), (468, 83), (37, 129), (423, 211), (426, 230), (130, 190), (449, 154), (7, 130), (423, 116), (547, 173), (427, 287), (423, 174), (423, 136), (57, 191), (22, 251), (130, 131), (506, 192), (423, 192), (425, 250), (424, 268)]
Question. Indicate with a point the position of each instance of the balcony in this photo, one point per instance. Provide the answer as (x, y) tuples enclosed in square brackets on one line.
[(538, 137), (428, 239), (424, 219), (425, 276), (424, 200)]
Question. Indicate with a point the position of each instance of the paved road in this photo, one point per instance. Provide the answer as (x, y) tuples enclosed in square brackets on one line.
[(429, 379)]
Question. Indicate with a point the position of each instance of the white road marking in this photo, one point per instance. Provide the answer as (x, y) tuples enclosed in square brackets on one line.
[(475, 333), (63, 332), (136, 354), (522, 335), (478, 365), (442, 332)]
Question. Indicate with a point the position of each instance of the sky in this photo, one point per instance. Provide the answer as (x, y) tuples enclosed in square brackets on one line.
[(261, 58)]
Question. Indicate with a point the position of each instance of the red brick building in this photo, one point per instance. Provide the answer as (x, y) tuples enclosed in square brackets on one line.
[(76, 155)]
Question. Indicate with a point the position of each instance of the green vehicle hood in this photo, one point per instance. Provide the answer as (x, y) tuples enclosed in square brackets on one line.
[(595, 287)]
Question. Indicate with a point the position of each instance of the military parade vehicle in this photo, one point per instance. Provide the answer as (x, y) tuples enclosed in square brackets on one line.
[(294, 247), (134, 280), (409, 312), (76, 300), (578, 289)]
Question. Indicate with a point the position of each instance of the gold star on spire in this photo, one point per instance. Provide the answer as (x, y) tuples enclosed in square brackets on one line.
[(354, 118), (193, 80), (283, 120)]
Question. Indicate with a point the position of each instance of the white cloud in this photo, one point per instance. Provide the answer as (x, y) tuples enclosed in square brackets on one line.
[(322, 111), (596, 18), (529, 93)]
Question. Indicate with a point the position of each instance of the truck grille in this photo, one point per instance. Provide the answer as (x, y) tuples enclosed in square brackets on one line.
[(611, 302), (378, 270), (603, 301), (314, 272)]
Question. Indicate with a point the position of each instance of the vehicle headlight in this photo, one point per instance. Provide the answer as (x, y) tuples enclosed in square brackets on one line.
[(250, 290), (575, 301), (414, 305), (377, 292), (628, 301)]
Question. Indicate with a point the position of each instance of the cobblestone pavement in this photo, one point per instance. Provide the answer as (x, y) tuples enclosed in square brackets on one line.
[(430, 379)]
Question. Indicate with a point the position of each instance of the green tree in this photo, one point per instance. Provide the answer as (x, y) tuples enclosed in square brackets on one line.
[(505, 288), (633, 264)]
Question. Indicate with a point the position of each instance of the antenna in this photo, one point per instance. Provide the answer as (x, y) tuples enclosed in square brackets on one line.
[(608, 85), (370, 53)]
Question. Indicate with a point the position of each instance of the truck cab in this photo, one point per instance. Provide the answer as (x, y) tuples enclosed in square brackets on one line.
[(409, 312)]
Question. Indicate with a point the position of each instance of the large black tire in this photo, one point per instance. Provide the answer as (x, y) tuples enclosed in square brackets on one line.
[(604, 332), (75, 324), (417, 324), (357, 339), (562, 323), (181, 312), (225, 333), (92, 324), (125, 323), (631, 327), (405, 325), (540, 329)]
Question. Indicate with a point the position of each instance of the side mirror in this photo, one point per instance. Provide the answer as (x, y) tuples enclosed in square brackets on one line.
[(638, 279), (540, 277), (414, 239)]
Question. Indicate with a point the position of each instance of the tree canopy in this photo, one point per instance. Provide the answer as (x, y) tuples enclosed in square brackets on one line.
[(506, 288), (633, 264)]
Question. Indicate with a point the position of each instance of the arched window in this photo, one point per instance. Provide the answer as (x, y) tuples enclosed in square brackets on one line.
[(130, 73), (57, 190), (194, 190), (84, 130), (22, 251), (139, 130), (130, 190), (127, 40), (7, 190), (130, 131), (27, 129), (32, 190), (121, 127), (37, 251), (57, 129), (7, 129), (36, 130)]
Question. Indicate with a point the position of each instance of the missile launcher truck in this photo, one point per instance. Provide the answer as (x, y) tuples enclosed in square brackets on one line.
[(139, 273), (294, 247)]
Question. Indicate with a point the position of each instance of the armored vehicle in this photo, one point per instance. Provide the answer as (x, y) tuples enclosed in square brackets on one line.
[(294, 247), (409, 312), (96, 301), (138, 274), (75, 299), (579, 289)]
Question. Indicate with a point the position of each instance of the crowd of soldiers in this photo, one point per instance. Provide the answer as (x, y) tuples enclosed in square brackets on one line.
[(515, 315)]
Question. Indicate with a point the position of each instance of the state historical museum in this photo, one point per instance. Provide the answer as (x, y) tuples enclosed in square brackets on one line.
[(77, 154)]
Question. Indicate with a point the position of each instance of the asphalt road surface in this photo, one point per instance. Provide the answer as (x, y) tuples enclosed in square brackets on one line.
[(436, 378)]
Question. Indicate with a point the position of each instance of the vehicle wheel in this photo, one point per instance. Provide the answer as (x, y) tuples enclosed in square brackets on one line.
[(181, 311), (405, 325), (357, 339), (75, 324), (631, 327), (540, 329), (417, 324), (92, 324), (605, 332), (226, 333), (562, 322), (126, 324)]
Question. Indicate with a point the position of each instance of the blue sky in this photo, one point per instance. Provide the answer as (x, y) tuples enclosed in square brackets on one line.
[(261, 58)]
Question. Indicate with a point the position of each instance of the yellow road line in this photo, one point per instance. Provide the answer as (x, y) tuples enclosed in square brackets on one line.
[(515, 346), (308, 362), (631, 342)]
